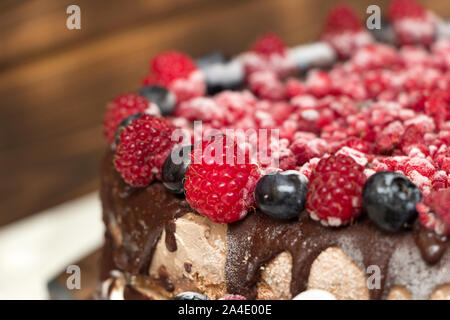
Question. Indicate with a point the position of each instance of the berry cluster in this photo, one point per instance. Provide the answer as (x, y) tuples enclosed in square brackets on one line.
[(369, 135)]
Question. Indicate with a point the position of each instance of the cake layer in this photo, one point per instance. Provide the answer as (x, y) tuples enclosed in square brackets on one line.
[(158, 247)]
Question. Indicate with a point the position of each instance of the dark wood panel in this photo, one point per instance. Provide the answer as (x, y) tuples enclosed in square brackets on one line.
[(31, 28)]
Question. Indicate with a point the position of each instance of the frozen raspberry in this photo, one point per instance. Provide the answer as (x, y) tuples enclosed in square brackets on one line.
[(121, 108), (434, 213), (201, 108), (421, 165), (269, 44), (358, 156), (390, 137), (266, 85), (412, 135), (437, 106), (335, 191), (439, 180), (235, 104), (342, 18), (412, 24), (294, 87), (305, 149), (169, 66), (344, 31), (142, 149), (318, 83), (219, 182), (374, 56)]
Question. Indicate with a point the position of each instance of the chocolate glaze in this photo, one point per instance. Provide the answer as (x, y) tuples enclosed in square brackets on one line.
[(171, 242), (256, 240), (142, 214), (130, 293), (431, 245)]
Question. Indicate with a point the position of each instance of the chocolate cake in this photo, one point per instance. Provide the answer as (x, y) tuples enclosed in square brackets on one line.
[(351, 202)]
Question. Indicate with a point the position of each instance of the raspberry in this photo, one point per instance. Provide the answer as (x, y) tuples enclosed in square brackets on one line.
[(422, 166), (342, 18), (390, 137), (220, 185), (358, 156), (434, 213), (121, 108), (269, 44), (294, 87), (344, 32), (411, 22), (305, 149), (169, 66), (201, 108), (142, 149), (266, 85), (335, 191), (400, 9)]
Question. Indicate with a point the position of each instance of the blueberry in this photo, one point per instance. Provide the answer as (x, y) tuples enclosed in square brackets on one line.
[(210, 59), (161, 96), (122, 125), (174, 169), (222, 76), (282, 195), (188, 295), (390, 200)]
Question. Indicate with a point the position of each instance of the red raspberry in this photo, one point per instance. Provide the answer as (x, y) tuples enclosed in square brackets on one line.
[(305, 148), (342, 18), (266, 85), (335, 191), (269, 44), (219, 184), (389, 138), (121, 108), (294, 87), (407, 13), (400, 9), (434, 213), (169, 66), (142, 149)]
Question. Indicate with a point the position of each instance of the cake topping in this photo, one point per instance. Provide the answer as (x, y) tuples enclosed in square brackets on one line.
[(434, 212), (269, 44), (220, 180), (119, 109), (390, 200), (161, 96), (334, 191), (143, 147), (282, 195), (411, 22), (169, 66), (174, 169), (344, 31)]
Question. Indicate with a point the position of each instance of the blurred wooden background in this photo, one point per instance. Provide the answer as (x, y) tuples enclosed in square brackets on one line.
[(55, 82)]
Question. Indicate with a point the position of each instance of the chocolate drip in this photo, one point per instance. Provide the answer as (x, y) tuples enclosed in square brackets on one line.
[(432, 246), (130, 293), (256, 240), (141, 214), (171, 242)]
